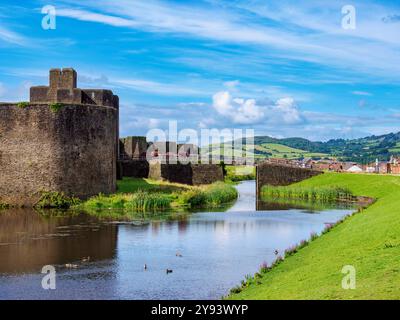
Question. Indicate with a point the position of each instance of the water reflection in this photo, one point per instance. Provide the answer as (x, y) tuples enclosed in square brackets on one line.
[(29, 240), (218, 249)]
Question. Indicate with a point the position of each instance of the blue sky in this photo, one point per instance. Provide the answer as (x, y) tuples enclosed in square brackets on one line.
[(283, 68)]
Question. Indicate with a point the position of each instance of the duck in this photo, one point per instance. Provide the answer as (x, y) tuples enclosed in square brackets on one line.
[(169, 271), (86, 259), (71, 266), (145, 266), (178, 254)]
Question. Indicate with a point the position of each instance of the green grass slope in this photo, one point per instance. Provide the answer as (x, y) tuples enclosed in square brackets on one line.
[(369, 241), (263, 151)]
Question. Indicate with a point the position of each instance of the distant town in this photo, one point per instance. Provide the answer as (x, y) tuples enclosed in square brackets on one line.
[(381, 167)]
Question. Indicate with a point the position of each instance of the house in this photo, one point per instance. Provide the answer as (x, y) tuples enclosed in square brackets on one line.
[(355, 169), (393, 167)]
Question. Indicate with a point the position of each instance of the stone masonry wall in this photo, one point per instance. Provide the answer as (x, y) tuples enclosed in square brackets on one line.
[(71, 150), (135, 168), (206, 173), (278, 175), (192, 174)]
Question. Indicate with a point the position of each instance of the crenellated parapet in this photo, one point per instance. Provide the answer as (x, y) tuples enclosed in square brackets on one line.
[(62, 88), (71, 147)]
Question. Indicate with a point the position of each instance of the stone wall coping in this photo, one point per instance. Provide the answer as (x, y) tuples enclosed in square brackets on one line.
[(41, 104)]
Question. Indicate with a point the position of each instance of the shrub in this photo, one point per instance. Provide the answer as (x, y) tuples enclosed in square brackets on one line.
[(4, 206), (23, 104), (55, 107), (236, 289), (212, 195), (56, 200), (193, 198)]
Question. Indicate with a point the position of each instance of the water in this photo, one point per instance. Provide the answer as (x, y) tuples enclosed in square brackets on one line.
[(217, 250)]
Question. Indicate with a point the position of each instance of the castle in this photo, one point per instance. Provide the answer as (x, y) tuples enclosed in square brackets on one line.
[(165, 160), (65, 139)]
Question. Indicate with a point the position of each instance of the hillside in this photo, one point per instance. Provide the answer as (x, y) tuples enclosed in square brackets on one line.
[(362, 150), (369, 241)]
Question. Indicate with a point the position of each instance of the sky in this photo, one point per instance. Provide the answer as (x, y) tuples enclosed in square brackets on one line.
[(283, 68)]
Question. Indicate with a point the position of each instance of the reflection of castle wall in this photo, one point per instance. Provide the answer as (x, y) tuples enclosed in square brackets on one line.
[(28, 240)]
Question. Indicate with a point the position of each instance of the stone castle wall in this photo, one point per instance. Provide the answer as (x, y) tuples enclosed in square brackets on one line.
[(192, 174), (134, 168), (72, 150), (279, 175)]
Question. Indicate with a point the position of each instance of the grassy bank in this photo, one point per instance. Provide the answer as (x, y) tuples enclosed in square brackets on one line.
[(369, 241), (240, 173), (308, 193), (148, 195)]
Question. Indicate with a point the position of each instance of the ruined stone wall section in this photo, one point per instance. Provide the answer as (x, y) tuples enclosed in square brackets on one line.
[(192, 174), (72, 150), (134, 168), (207, 173), (279, 175)]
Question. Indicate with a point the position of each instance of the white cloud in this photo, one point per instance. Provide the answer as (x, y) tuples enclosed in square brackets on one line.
[(248, 111), (11, 37), (288, 110), (84, 15), (239, 110), (156, 87), (231, 85), (305, 34)]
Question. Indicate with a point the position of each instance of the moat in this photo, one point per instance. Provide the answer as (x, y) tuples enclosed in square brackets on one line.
[(208, 252)]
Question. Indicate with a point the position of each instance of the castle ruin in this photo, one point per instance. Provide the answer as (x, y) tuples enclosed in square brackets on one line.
[(65, 139)]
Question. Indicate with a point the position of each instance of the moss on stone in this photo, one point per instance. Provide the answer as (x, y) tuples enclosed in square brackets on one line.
[(55, 107), (23, 104)]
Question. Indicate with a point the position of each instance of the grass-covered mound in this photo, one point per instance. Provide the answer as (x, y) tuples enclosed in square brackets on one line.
[(149, 195), (369, 241)]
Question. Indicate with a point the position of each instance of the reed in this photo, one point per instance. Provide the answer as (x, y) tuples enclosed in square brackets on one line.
[(138, 201), (321, 194), (212, 195), (158, 199)]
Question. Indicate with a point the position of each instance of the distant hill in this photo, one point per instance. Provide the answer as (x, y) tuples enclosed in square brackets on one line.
[(362, 150)]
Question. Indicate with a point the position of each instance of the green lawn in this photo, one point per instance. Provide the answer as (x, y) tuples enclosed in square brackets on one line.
[(369, 241), (240, 173), (130, 185)]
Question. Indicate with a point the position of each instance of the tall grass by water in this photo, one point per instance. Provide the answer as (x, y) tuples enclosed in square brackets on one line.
[(142, 195), (209, 196), (138, 201), (320, 194)]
